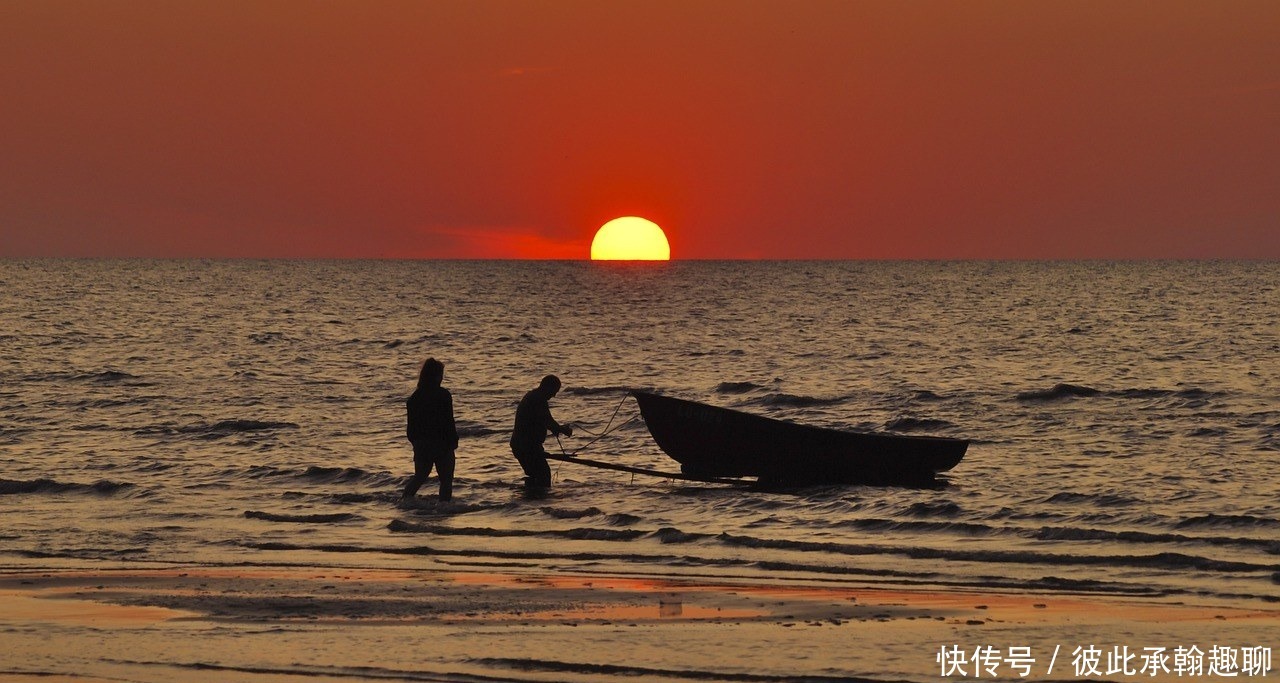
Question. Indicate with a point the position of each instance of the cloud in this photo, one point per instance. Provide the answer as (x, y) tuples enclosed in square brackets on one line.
[(497, 242)]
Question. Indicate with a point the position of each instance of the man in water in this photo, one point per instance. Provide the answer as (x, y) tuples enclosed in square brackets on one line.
[(533, 423), (431, 430)]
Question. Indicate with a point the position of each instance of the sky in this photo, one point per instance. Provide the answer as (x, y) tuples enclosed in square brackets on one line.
[(846, 129)]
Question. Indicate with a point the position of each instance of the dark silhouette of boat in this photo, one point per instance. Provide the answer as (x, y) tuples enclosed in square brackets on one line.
[(718, 442)]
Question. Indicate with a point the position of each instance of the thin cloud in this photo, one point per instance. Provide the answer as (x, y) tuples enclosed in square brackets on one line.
[(518, 242)]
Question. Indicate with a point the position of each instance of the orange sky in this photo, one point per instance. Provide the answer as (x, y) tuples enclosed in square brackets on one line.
[(788, 129)]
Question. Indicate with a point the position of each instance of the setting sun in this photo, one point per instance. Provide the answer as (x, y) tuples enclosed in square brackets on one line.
[(630, 239)]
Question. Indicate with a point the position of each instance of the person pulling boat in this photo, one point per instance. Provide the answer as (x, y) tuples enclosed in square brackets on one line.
[(533, 424)]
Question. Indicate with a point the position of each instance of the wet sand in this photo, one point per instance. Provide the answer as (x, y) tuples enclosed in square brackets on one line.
[(285, 623)]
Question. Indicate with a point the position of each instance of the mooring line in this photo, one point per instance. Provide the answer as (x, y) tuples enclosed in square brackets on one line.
[(566, 457)]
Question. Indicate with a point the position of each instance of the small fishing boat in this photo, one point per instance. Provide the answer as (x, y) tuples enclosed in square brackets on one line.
[(711, 441)]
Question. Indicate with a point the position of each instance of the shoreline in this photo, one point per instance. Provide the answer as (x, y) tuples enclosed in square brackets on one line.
[(533, 624)]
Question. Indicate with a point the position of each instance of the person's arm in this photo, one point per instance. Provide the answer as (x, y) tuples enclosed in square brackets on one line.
[(450, 428), (555, 427)]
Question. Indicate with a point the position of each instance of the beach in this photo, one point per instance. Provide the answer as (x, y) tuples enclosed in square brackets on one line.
[(311, 622)]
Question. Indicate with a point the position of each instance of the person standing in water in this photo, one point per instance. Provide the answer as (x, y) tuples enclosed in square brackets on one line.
[(533, 423), (431, 430)]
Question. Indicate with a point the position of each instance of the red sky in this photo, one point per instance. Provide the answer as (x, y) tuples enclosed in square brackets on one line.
[(788, 129)]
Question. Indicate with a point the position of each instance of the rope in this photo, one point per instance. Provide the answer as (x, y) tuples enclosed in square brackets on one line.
[(606, 432), (599, 436), (573, 457), (611, 419)]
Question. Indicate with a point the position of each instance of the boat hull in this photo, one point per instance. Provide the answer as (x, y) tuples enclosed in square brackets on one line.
[(712, 441)]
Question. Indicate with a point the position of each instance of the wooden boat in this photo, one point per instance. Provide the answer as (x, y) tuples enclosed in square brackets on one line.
[(717, 442)]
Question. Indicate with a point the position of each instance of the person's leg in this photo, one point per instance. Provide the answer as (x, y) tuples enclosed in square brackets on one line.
[(544, 475), (522, 457), (422, 463), (542, 471), (444, 466), (536, 470)]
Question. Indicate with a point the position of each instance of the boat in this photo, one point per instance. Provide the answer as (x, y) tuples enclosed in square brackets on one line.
[(711, 441)]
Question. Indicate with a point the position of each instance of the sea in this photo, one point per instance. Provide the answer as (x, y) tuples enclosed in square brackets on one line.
[(1123, 418)]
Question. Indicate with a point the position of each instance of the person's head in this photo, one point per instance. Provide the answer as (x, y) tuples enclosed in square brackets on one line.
[(432, 374), (550, 385)]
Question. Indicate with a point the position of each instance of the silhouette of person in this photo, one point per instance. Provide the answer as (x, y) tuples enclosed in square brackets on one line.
[(533, 423), (431, 430)]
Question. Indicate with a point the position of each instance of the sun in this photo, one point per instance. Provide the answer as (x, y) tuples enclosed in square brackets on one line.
[(630, 239)]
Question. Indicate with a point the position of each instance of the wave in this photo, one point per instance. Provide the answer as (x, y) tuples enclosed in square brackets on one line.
[(941, 509), (912, 424), (737, 387), (596, 391), (1064, 390), (105, 377), (1212, 520), (101, 377), (358, 498), (267, 337), (103, 487), (1082, 534), (228, 427), (348, 475), (565, 513), (303, 519), (622, 519), (795, 400), (545, 666), (113, 403), (325, 475), (1058, 392), (1166, 561), (1171, 561), (216, 430), (1105, 500), (88, 553), (930, 572), (673, 535), (971, 529), (578, 534), (534, 667)]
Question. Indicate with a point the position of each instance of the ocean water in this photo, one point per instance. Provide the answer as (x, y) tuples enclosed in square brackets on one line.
[(1124, 417)]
